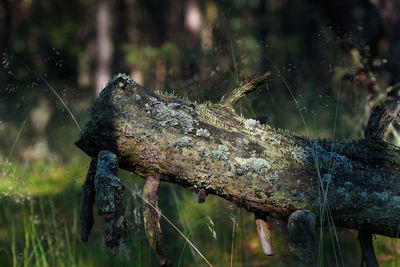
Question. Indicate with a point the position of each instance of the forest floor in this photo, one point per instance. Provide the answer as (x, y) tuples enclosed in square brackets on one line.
[(40, 225)]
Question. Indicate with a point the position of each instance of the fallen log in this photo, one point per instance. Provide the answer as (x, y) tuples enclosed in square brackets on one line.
[(209, 149)]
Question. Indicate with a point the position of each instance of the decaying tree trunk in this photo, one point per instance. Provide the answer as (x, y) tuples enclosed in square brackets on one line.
[(208, 148)]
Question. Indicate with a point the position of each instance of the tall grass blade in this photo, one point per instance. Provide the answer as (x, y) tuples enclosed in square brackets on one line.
[(172, 224), (51, 88), (17, 137)]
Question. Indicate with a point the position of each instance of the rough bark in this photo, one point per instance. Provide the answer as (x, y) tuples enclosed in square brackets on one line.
[(109, 198), (267, 171)]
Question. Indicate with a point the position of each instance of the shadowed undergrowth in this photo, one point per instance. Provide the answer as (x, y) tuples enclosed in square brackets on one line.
[(39, 225)]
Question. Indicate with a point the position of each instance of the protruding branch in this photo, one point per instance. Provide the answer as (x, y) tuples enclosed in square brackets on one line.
[(152, 219), (264, 233), (109, 198), (300, 234), (246, 87), (378, 122), (202, 196), (88, 201), (368, 258)]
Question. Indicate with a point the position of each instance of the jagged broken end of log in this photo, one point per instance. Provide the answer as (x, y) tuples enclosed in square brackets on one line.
[(378, 122)]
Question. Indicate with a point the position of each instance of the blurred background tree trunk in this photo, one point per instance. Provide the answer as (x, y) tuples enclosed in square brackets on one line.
[(104, 47), (389, 11), (193, 28)]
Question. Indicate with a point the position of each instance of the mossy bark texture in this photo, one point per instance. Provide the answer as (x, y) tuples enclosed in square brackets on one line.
[(268, 171)]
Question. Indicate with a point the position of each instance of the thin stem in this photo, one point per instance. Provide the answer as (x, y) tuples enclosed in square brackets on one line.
[(173, 225), (52, 89), (18, 136)]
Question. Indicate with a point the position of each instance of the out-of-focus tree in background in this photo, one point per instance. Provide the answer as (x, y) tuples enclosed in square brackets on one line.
[(333, 55)]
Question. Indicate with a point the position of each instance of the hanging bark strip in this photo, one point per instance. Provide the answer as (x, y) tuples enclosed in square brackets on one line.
[(88, 197), (152, 220), (202, 194), (267, 171), (109, 198)]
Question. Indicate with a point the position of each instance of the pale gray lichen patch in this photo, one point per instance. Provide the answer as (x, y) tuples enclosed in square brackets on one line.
[(395, 202), (170, 115), (256, 165), (107, 183), (183, 142), (296, 195), (203, 133), (300, 155), (325, 158), (221, 154), (382, 197), (252, 125), (274, 177), (122, 79), (201, 151), (343, 194)]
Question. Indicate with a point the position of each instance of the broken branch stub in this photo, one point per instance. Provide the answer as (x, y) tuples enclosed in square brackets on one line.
[(202, 194), (368, 258), (245, 88), (151, 219), (378, 122), (264, 234)]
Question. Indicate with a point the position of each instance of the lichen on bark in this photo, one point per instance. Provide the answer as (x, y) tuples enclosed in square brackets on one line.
[(279, 172)]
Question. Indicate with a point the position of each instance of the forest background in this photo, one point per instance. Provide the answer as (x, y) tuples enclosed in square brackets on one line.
[(337, 57)]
